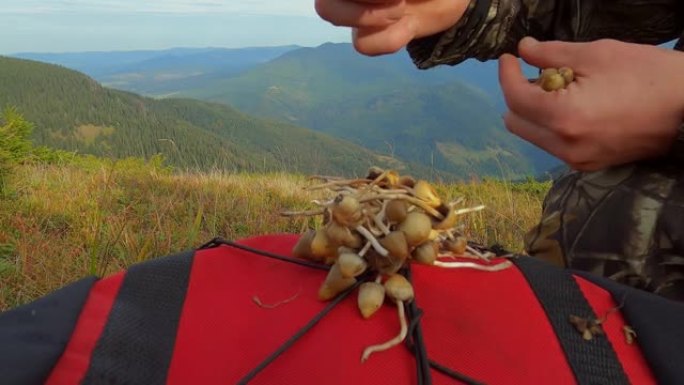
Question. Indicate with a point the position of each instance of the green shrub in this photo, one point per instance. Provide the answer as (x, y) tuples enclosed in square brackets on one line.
[(15, 143)]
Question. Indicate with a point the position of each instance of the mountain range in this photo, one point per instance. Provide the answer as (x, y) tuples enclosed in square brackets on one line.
[(73, 112), (446, 119)]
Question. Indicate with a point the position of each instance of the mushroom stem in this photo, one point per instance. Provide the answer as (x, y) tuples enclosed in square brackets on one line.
[(470, 210), (381, 226), (365, 249), (408, 198), (335, 183), (378, 189), (374, 242), (325, 178), (379, 219), (458, 201), (347, 189), (473, 265), (478, 254), (370, 226), (323, 203), (309, 213), (394, 341)]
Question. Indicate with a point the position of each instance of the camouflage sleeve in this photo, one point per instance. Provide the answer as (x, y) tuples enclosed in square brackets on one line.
[(490, 28)]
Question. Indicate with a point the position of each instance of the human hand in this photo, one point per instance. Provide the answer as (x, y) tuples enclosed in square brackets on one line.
[(625, 104), (386, 26)]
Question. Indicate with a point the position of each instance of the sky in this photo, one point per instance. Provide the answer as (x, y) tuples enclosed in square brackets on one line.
[(105, 25)]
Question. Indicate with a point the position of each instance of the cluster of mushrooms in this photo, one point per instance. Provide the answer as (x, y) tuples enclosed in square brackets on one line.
[(376, 225), (553, 79)]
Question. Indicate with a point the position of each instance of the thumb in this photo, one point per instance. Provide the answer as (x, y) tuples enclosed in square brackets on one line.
[(386, 40), (548, 54)]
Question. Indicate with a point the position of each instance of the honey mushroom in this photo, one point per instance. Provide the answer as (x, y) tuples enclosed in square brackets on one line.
[(377, 225), (375, 208)]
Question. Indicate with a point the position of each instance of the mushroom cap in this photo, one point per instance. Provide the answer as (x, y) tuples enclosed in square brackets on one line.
[(383, 265), (457, 245), (553, 82), (396, 210), (346, 210), (395, 242), (416, 227), (336, 232), (548, 72), (426, 253), (370, 299), (568, 74), (322, 246), (334, 284), (450, 218), (351, 265), (399, 288), (341, 235), (424, 191), (302, 249)]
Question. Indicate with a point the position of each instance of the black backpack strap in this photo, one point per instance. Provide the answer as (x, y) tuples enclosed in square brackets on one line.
[(136, 345), (592, 362), (34, 336), (659, 325)]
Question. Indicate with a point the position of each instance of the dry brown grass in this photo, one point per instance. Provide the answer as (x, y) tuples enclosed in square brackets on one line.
[(61, 223)]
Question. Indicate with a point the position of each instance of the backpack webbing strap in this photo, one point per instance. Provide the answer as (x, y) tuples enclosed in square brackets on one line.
[(592, 362), (137, 343), (34, 336)]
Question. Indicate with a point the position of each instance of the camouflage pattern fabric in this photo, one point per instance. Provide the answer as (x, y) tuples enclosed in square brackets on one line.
[(625, 223), (490, 28)]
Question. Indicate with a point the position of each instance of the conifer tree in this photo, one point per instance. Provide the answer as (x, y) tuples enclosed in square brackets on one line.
[(15, 143)]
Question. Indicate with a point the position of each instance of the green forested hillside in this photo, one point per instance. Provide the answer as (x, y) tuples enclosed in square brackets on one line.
[(73, 112)]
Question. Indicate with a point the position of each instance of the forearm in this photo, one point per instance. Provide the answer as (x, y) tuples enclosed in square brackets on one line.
[(490, 28)]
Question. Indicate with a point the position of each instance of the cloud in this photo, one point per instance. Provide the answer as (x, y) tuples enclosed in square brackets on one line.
[(250, 7)]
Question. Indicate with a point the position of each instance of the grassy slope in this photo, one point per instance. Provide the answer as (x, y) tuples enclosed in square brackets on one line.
[(59, 223)]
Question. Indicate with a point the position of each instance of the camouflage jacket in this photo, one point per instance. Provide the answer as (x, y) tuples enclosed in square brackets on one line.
[(625, 222), (490, 28)]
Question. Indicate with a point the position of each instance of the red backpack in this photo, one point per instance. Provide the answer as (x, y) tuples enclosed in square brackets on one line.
[(208, 316)]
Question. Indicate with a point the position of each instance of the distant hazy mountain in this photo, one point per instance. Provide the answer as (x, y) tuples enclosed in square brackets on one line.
[(73, 112), (164, 71), (432, 117)]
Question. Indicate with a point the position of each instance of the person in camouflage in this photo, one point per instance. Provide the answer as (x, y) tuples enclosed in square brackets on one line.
[(619, 211)]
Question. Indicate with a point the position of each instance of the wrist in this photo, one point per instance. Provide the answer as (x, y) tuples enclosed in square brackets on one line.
[(430, 50), (452, 13)]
